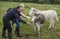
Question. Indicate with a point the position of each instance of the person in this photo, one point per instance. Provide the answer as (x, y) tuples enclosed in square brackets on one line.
[(12, 14), (17, 24)]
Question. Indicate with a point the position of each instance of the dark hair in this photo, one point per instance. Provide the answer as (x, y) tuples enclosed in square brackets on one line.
[(18, 7)]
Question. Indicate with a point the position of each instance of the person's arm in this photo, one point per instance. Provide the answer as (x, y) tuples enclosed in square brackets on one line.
[(17, 22), (18, 17), (25, 16), (23, 21), (4, 13)]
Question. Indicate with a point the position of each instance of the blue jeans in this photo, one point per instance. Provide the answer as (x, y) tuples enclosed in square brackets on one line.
[(17, 31), (17, 21)]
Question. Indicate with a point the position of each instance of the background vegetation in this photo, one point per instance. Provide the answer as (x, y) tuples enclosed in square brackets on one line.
[(36, 1), (26, 30)]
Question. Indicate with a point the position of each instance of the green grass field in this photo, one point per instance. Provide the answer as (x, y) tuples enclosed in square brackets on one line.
[(26, 30)]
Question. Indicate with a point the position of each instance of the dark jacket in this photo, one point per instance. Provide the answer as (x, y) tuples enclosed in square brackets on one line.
[(13, 15)]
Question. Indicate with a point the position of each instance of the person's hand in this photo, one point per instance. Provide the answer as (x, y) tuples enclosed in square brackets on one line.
[(25, 16), (28, 17), (29, 23)]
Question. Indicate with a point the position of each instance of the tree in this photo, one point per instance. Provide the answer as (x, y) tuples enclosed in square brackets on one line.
[(35, 1), (51, 1)]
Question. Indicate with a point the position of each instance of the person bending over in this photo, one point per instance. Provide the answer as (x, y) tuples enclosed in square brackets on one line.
[(12, 14)]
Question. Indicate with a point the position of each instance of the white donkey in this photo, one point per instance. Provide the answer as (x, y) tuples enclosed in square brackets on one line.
[(48, 14)]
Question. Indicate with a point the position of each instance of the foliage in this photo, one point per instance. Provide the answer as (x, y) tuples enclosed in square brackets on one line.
[(36, 1), (26, 30)]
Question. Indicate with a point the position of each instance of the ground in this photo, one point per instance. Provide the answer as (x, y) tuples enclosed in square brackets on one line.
[(26, 30)]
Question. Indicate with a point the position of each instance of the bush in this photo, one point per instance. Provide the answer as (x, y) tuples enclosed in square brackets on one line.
[(36, 1)]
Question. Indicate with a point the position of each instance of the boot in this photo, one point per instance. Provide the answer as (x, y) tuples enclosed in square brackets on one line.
[(9, 35), (4, 34), (17, 32)]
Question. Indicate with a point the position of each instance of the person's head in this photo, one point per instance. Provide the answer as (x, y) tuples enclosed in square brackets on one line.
[(20, 7)]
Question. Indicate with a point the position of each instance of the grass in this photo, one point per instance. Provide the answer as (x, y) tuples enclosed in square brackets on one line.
[(27, 30)]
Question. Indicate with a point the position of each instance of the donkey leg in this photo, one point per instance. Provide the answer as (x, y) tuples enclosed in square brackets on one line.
[(34, 28), (38, 27), (53, 24), (38, 30), (50, 24)]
